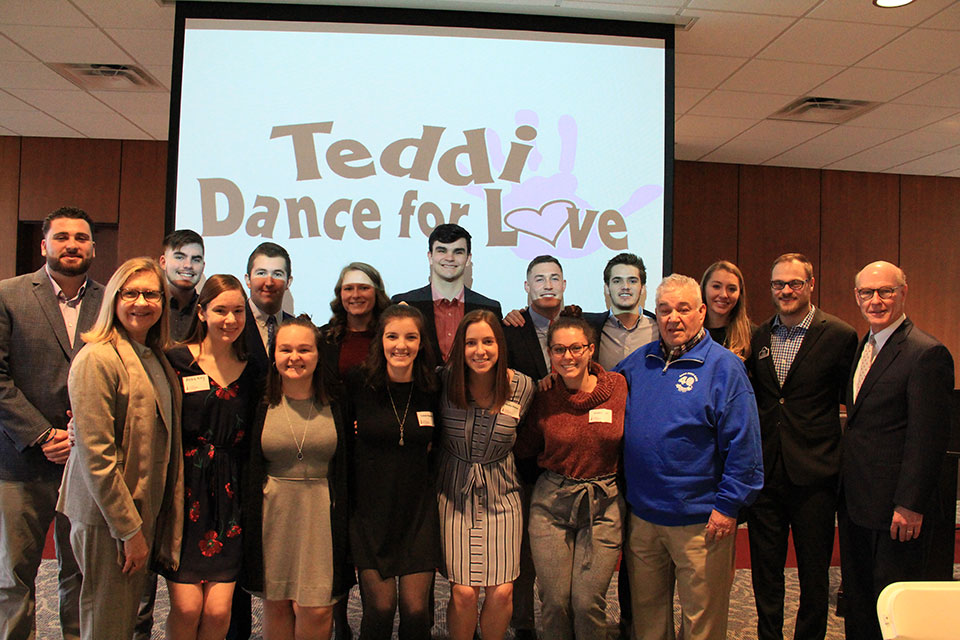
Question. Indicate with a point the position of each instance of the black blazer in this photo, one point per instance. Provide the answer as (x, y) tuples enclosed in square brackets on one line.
[(422, 299), (801, 420), (256, 352), (596, 322), (253, 478), (523, 348), (896, 433)]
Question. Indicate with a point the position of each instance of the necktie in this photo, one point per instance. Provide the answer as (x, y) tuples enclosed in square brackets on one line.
[(271, 333), (863, 367)]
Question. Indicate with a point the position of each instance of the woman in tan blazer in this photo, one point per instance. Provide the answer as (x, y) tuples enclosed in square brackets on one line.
[(123, 485)]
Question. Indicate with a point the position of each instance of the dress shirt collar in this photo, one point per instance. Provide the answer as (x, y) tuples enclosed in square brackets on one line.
[(437, 297), (804, 324), (261, 317), (883, 335), (58, 292)]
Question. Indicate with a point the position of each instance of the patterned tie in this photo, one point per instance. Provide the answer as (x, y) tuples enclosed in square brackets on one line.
[(863, 367), (271, 333)]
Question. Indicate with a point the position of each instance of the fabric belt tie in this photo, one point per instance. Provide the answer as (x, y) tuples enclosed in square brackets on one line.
[(475, 481), (569, 495)]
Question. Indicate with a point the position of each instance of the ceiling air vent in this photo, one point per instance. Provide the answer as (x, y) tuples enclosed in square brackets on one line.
[(107, 77), (824, 110)]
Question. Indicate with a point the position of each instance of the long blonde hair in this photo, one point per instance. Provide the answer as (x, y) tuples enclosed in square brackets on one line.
[(105, 329), (739, 330)]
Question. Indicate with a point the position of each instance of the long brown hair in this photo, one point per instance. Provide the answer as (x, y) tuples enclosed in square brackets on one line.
[(213, 287), (457, 389), (739, 329), (275, 384), (338, 321), (375, 366)]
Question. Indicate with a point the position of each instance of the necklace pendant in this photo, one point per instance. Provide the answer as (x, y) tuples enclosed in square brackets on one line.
[(401, 441), (300, 456)]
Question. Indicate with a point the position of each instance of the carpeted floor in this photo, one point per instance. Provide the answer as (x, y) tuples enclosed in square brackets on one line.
[(743, 618)]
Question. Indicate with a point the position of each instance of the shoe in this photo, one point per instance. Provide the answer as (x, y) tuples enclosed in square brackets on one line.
[(525, 634)]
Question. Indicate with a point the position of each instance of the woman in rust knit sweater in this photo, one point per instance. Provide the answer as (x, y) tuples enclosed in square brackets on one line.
[(576, 511)]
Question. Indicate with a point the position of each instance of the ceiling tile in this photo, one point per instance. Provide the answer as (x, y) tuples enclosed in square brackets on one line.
[(704, 72), (6, 132), (857, 83), (683, 99), (59, 44), (729, 34), (919, 50), (50, 13), (31, 75), (162, 73), (34, 123), (778, 76), (934, 164), (140, 14), (109, 126), (949, 18), (127, 102), (743, 104), (147, 46), (924, 140), (940, 92), (708, 127), (949, 126), (54, 102), (953, 174), (12, 52), (874, 160), (155, 124), (825, 42), (778, 8), (810, 157), (695, 148), (766, 140), (903, 117), (833, 145), (865, 11), (9, 102)]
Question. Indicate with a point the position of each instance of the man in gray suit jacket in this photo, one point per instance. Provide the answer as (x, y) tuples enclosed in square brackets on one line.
[(42, 315)]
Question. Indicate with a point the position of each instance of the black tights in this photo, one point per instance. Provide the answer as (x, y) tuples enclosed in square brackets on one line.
[(380, 604)]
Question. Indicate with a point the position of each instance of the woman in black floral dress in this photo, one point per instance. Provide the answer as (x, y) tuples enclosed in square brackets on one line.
[(220, 392)]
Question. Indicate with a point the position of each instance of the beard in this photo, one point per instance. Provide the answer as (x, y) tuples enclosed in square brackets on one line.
[(54, 264)]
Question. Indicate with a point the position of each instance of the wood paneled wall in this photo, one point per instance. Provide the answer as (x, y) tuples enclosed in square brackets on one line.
[(747, 214)]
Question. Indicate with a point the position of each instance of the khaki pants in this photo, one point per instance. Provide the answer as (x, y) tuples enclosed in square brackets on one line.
[(659, 556)]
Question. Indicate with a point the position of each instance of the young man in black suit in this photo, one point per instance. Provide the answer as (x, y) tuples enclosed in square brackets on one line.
[(799, 364), (445, 300), (898, 400)]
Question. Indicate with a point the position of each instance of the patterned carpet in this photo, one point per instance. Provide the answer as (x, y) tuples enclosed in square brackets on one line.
[(743, 618)]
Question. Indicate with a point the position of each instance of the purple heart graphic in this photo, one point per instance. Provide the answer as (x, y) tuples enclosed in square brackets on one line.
[(546, 223)]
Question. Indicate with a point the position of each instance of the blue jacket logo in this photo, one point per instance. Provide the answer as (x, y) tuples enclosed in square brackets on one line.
[(685, 381)]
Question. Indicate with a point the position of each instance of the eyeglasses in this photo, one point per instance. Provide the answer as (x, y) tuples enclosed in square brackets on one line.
[(885, 293), (796, 285), (131, 295), (576, 350)]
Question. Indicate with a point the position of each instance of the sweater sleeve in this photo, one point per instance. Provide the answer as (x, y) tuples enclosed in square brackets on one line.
[(738, 440)]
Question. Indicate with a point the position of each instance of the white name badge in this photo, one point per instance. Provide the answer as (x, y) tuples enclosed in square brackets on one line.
[(601, 415), (511, 409), (425, 418), (196, 383)]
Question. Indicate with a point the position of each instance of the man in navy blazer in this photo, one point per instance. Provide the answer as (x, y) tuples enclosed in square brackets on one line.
[(446, 300), (268, 277), (898, 400), (799, 364), (42, 315)]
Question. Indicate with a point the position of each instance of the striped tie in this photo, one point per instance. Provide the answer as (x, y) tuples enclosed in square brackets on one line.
[(863, 367)]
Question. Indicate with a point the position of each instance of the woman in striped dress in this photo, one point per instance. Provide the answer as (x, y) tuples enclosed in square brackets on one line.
[(478, 486)]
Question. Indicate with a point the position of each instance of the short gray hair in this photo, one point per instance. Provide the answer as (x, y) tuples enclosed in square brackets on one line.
[(677, 281)]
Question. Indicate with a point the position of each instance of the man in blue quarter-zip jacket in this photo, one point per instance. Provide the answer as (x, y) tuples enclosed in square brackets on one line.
[(692, 461)]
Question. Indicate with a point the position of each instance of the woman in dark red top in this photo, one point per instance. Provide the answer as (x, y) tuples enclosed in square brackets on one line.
[(576, 511)]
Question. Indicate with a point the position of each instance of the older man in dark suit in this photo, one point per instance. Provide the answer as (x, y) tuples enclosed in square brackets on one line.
[(42, 315), (898, 400), (799, 364), (446, 299)]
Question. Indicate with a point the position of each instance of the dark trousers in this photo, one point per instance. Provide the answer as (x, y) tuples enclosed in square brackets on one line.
[(869, 561), (809, 512), (522, 617), (240, 615)]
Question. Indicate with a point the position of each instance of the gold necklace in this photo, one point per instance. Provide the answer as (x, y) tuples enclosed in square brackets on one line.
[(406, 409), (303, 437)]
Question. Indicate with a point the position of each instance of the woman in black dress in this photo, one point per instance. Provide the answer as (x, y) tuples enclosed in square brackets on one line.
[(727, 319), (394, 525), (220, 392)]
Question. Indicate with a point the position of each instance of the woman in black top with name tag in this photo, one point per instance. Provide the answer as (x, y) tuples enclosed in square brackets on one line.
[(220, 392), (394, 525)]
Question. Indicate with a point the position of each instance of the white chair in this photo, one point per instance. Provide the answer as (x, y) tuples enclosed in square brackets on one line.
[(920, 611)]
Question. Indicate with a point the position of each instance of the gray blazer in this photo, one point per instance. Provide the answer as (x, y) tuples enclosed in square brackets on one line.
[(35, 355), (110, 479)]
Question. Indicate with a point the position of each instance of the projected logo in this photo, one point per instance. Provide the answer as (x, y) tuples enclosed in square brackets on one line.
[(531, 202)]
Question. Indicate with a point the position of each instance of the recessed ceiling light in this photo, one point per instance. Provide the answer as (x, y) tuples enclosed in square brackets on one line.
[(891, 4)]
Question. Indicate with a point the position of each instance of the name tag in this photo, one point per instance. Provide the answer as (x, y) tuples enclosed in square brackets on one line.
[(601, 415), (196, 383), (511, 409), (425, 418)]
